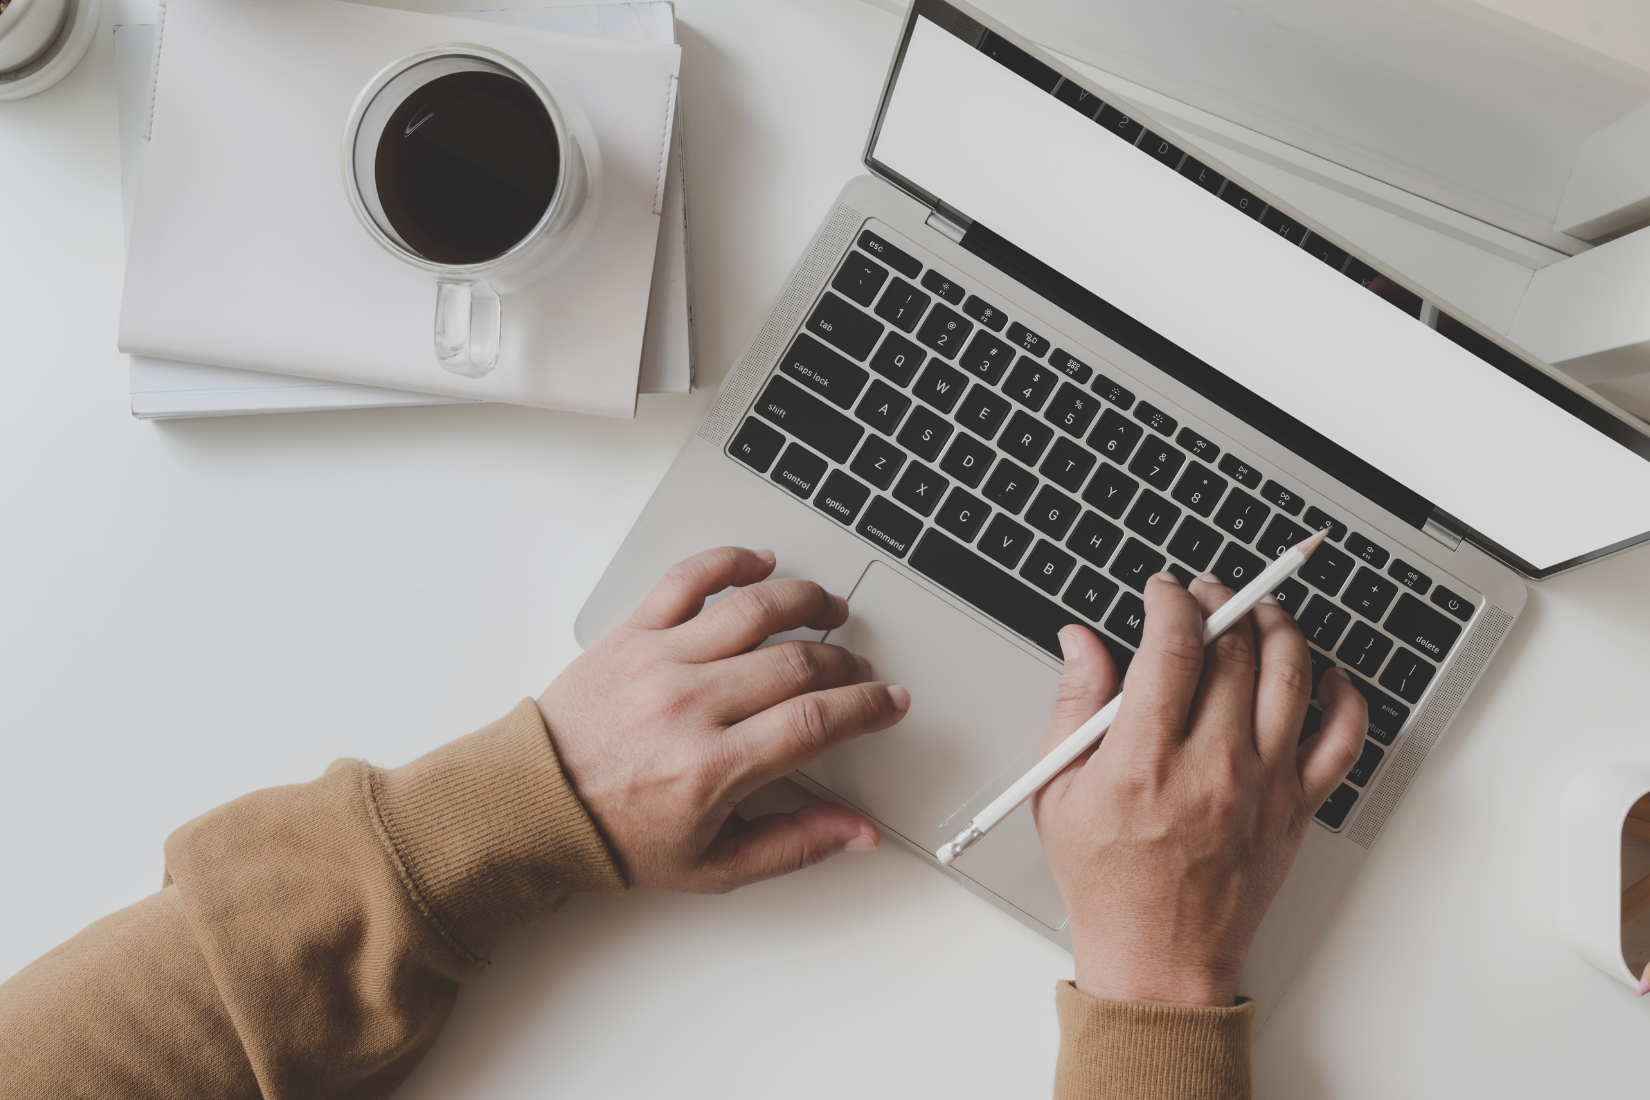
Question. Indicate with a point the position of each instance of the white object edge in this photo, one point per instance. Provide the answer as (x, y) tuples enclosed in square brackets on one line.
[(85, 17), (1594, 809)]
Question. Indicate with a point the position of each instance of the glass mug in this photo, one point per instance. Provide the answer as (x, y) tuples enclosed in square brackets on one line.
[(461, 163)]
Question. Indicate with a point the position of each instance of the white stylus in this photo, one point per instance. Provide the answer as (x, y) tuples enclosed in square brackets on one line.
[(1089, 732)]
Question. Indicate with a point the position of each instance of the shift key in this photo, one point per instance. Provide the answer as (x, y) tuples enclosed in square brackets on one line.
[(809, 419)]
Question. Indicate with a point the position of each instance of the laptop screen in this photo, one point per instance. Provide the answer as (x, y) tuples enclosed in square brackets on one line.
[(1417, 416)]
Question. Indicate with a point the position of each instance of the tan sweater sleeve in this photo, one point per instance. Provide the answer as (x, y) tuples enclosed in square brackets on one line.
[(1112, 1050), (310, 940)]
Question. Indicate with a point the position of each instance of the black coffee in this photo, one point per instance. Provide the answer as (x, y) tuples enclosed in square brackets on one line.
[(466, 166)]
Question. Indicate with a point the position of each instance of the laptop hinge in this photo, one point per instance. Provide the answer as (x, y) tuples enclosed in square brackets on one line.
[(946, 227), (1442, 529)]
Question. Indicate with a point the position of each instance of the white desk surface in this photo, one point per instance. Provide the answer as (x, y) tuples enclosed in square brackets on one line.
[(195, 609)]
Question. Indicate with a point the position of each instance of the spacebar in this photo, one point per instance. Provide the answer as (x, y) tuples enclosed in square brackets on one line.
[(1017, 606)]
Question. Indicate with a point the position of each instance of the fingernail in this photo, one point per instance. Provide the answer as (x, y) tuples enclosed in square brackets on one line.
[(1209, 578), (899, 696), (1167, 576), (1269, 598), (864, 842), (841, 604), (765, 555)]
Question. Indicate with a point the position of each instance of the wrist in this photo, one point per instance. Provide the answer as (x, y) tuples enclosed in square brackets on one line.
[(1166, 976)]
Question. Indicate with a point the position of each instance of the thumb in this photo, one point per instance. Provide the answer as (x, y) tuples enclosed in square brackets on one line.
[(777, 844), (1090, 680)]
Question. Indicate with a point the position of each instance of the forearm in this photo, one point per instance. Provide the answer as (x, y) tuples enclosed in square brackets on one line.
[(312, 939)]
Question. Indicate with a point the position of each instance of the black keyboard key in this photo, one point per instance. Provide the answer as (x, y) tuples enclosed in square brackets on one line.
[(1112, 392), (1283, 225), (1323, 623), (1312, 723), (1320, 665), (1018, 61), (1152, 518), (1028, 341), (1364, 770), (1155, 418), (1026, 438), (940, 385), (1364, 550), (890, 526), (1030, 383), (1360, 273), (988, 315), (1090, 594), (1052, 512), (1067, 464), (1241, 515), (860, 279), (841, 497), (883, 407), (1459, 606), (1330, 254), (901, 262), (1242, 200), (1111, 490), (842, 326), (1078, 98), (799, 470), (1120, 124), (1094, 539), (944, 287), (1408, 675), (1291, 595), (1047, 567), (1162, 149), (1072, 410), (898, 359), (1005, 598), (1128, 619), (809, 419), (1286, 500), (901, 305), (982, 412), (967, 460), (1199, 488), (824, 371), (1236, 567), (1182, 574), (878, 461), (1240, 471), (1202, 175), (1333, 812), (945, 331), (1197, 445), (1327, 569), (963, 514), (1070, 366), (1114, 437), (1005, 541), (1009, 486), (1319, 520), (987, 357), (1279, 536), (1410, 577), (1369, 594), (756, 445), (1157, 462), (1386, 715), (920, 489), (1195, 544), (1136, 564), (1414, 623), (1364, 649), (925, 434)]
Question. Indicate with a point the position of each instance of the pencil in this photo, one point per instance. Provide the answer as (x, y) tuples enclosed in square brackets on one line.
[(1091, 731)]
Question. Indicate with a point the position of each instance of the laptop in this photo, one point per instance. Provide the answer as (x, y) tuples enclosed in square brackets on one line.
[(1040, 353)]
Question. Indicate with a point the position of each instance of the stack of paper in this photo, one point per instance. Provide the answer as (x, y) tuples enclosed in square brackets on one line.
[(561, 369)]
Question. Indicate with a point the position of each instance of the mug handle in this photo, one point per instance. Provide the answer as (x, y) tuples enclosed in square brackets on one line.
[(467, 317)]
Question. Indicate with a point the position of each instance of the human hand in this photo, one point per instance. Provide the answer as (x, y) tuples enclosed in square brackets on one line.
[(1169, 840), (667, 722)]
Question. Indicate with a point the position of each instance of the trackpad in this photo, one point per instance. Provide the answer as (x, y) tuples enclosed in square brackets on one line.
[(978, 708)]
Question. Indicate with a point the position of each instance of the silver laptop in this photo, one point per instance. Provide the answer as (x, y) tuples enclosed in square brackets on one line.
[(1041, 353)]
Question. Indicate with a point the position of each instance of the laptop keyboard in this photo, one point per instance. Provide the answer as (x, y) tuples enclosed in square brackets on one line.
[(1016, 476)]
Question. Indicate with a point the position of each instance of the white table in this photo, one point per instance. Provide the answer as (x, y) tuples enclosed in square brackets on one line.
[(196, 609)]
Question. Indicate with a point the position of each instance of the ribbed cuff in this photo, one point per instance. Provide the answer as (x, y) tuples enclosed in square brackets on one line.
[(489, 834), (1150, 1052)]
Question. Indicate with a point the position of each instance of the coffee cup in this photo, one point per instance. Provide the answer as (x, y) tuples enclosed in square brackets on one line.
[(461, 163), (27, 30)]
